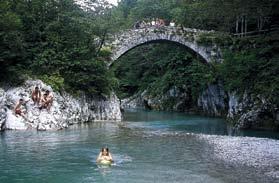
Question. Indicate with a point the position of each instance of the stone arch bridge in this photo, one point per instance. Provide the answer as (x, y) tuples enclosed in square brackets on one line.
[(124, 41)]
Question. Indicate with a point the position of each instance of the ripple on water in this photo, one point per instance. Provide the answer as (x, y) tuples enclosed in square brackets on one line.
[(141, 154)]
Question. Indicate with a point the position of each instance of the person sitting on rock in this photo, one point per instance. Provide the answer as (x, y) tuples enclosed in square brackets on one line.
[(36, 95), (18, 109), (47, 100), (43, 101)]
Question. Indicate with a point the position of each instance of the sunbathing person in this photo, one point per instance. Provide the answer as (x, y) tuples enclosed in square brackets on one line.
[(43, 102), (47, 100), (36, 95), (18, 109)]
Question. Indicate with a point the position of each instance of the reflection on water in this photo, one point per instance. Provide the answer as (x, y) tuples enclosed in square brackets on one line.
[(146, 147), (190, 123)]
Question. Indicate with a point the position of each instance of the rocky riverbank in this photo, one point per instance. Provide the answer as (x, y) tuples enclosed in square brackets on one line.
[(66, 109), (248, 111), (244, 111), (260, 153)]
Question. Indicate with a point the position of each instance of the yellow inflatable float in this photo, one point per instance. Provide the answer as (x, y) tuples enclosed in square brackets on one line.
[(105, 162)]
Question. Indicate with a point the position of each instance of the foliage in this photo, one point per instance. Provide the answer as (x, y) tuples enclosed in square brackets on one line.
[(253, 68), (10, 37), (221, 39), (55, 41), (225, 15), (54, 80), (160, 67), (250, 65), (61, 43), (89, 76)]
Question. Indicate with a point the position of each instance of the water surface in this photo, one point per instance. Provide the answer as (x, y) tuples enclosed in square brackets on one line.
[(147, 147)]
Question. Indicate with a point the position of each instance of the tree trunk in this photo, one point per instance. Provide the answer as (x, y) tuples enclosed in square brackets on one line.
[(242, 25), (102, 42), (245, 25), (236, 25), (261, 23), (258, 23)]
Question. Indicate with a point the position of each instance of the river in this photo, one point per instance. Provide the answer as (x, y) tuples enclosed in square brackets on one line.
[(147, 147)]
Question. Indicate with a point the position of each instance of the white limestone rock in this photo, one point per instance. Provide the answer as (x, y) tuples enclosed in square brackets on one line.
[(3, 110), (15, 122), (66, 109)]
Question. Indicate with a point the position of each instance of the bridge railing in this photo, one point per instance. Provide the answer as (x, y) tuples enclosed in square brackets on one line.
[(258, 32)]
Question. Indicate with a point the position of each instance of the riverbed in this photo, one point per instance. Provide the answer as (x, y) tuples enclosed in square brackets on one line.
[(147, 147)]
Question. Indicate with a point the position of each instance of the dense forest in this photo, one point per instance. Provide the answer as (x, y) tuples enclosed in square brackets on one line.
[(60, 41), (176, 67), (56, 41), (251, 59)]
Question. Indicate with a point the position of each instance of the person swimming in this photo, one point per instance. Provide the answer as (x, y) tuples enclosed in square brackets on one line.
[(104, 156)]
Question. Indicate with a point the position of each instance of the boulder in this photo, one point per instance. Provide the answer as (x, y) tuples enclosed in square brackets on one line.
[(252, 112), (65, 110)]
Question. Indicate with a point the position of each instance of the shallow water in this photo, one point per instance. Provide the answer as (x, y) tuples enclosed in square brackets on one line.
[(147, 147)]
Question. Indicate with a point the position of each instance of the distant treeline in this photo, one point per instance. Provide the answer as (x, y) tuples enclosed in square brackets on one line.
[(234, 16)]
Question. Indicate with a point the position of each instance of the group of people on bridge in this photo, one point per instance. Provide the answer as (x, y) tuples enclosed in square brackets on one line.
[(155, 22), (42, 101)]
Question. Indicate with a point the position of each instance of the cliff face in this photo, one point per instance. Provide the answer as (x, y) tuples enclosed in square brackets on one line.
[(212, 101), (252, 112), (173, 100), (66, 109), (244, 111)]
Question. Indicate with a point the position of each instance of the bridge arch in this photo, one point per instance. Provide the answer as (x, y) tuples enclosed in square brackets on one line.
[(124, 41)]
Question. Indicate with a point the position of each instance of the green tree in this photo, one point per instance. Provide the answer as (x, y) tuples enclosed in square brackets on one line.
[(160, 67), (253, 69), (11, 39), (57, 41)]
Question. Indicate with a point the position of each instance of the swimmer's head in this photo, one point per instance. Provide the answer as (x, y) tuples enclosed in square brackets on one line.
[(21, 100), (105, 151), (36, 88)]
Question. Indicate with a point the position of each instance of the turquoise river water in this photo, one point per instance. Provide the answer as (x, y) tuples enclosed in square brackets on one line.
[(147, 147)]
